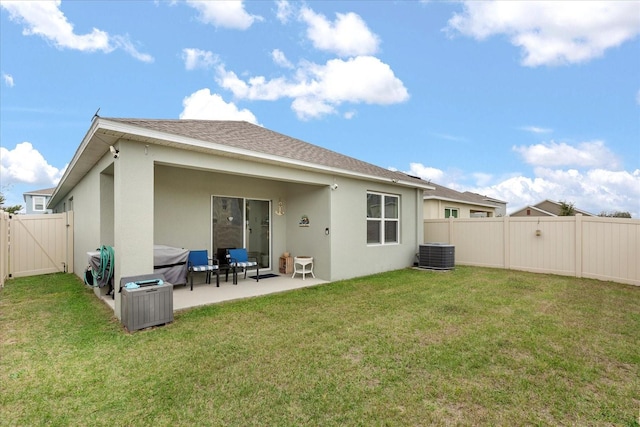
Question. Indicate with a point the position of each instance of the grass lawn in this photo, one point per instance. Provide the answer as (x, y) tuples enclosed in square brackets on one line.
[(472, 346)]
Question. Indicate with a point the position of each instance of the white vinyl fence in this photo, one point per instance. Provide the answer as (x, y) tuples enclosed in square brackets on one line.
[(580, 246), (4, 247), (35, 244)]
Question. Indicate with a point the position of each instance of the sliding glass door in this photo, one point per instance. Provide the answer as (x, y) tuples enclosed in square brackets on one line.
[(242, 223), (257, 231)]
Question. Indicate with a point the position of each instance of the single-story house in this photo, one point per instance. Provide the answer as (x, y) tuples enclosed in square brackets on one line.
[(36, 201), (199, 184), (546, 208), (443, 202)]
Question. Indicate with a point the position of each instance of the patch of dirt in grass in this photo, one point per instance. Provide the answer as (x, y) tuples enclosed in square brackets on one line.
[(354, 355), (446, 332)]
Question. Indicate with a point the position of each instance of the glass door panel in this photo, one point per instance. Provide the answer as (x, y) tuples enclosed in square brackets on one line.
[(228, 223), (242, 223), (257, 232)]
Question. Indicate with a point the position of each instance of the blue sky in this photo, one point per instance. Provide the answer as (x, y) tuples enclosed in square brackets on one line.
[(522, 101)]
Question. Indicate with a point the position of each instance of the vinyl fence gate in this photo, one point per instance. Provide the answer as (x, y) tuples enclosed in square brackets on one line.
[(31, 245)]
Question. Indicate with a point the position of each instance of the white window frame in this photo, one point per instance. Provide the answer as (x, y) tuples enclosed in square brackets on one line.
[(451, 210), (382, 220), (35, 199)]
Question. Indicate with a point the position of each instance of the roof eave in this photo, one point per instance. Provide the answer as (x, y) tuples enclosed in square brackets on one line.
[(459, 201), (120, 130), (156, 137), (58, 192)]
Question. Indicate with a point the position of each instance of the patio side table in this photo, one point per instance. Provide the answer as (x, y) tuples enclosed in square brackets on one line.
[(303, 265)]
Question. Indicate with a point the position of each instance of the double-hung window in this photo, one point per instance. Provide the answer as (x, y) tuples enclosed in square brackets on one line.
[(450, 212), (383, 218), (38, 203)]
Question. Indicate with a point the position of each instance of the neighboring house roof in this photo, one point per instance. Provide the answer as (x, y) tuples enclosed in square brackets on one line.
[(47, 192), (444, 193), (225, 138), (548, 208), (487, 198)]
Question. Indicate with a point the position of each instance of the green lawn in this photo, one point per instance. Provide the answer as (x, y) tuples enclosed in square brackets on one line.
[(471, 346)]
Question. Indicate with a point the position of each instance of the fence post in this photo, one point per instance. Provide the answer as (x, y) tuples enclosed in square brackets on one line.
[(506, 244), (4, 247), (578, 245)]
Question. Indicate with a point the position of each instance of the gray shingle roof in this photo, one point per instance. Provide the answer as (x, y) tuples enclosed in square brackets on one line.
[(555, 208), (247, 136), (548, 207), (442, 192), (43, 192)]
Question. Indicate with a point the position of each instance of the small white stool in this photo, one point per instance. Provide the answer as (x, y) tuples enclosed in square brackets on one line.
[(306, 266)]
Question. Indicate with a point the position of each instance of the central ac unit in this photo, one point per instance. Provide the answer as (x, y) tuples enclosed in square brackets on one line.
[(437, 256)]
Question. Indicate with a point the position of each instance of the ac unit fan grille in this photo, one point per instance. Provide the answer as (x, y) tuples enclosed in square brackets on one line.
[(437, 256)]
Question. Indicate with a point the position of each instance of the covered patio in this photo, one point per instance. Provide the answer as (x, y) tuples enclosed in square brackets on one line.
[(207, 294), (135, 184)]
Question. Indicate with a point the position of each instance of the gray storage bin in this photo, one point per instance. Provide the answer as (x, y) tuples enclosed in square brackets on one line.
[(146, 306)]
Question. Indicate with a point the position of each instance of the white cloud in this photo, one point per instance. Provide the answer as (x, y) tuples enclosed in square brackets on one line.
[(585, 154), (520, 191), (552, 32), (123, 42), (8, 79), (536, 129), (284, 11), (348, 35), (279, 58), (311, 107), (204, 105), (25, 165), (449, 137), (317, 90), (426, 173), (482, 179), (594, 190), (361, 79), (227, 14), (45, 19), (196, 58)]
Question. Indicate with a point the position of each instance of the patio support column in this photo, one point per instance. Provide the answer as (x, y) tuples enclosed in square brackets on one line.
[(133, 214)]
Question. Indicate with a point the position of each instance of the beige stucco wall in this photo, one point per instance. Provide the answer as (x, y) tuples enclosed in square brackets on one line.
[(335, 235), (89, 210), (350, 254), (183, 206), (341, 253), (434, 209), (156, 194)]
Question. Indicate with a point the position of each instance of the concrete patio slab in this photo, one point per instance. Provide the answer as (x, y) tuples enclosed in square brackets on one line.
[(206, 294)]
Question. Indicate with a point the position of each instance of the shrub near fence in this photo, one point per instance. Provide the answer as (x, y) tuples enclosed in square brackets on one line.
[(580, 246)]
